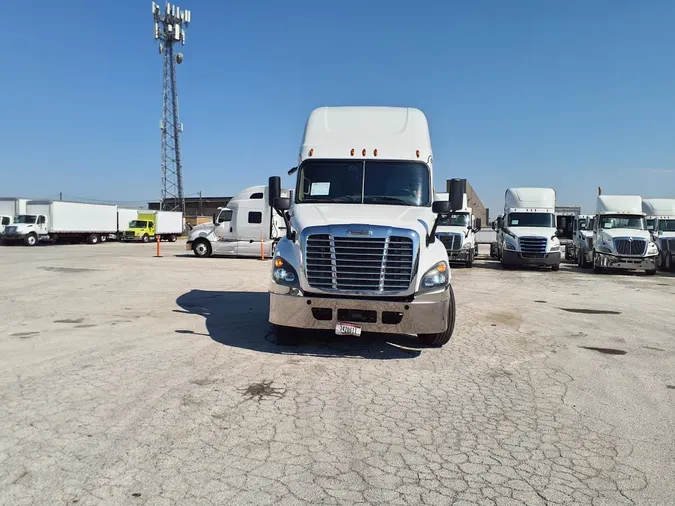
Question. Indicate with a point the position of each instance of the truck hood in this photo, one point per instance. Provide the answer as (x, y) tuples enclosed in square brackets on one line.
[(419, 219), (625, 232), (533, 231), (452, 230), (202, 230), (19, 227)]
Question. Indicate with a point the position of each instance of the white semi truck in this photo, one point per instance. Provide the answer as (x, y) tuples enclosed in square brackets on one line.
[(10, 208), (528, 230), (457, 232), (49, 220), (360, 251), (240, 228), (620, 236), (660, 215), (582, 239)]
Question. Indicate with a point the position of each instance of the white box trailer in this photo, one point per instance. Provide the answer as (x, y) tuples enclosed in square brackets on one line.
[(10, 208), (124, 218), (63, 221), (168, 223)]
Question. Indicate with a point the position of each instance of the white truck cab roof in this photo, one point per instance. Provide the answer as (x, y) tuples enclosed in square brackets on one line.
[(530, 199), (619, 204), (367, 132), (659, 207)]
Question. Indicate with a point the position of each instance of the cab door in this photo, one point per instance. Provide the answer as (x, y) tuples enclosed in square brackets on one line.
[(224, 237)]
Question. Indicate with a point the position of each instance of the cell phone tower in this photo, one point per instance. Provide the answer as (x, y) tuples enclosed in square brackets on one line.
[(170, 28)]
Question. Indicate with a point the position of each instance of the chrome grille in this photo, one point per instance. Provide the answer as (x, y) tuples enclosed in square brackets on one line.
[(452, 242), (535, 245), (628, 246), (359, 264)]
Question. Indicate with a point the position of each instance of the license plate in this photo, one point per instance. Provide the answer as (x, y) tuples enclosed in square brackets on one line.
[(347, 329)]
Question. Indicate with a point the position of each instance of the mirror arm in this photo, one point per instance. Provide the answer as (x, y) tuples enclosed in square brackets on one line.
[(431, 238), (290, 235)]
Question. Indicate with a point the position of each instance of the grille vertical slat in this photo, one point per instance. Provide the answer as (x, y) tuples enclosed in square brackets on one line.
[(359, 264), (634, 247)]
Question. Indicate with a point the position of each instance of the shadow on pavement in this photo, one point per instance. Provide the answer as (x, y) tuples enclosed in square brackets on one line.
[(240, 319)]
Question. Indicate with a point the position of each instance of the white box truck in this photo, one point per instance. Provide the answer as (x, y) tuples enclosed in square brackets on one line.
[(528, 230), (360, 251), (620, 236), (660, 215), (10, 208), (457, 231), (49, 220), (247, 227)]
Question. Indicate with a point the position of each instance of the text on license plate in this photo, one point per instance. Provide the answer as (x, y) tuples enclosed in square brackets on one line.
[(347, 329)]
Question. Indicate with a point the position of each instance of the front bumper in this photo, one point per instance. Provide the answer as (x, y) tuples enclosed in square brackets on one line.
[(426, 314), (517, 258), (13, 236), (461, 255), (627, 263)]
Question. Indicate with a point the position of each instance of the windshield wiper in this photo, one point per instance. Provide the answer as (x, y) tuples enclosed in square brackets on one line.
[(344, 198), (389, 200)]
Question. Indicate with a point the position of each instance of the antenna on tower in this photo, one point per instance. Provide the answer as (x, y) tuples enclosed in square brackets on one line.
[(170, 26)]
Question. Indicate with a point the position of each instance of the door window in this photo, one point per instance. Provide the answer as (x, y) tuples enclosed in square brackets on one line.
[(255, 217), (5, 220)]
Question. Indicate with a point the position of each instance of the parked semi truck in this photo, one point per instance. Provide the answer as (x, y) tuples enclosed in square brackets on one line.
[(168, 225), (582, 239), (10, 208), (528, 234), (660, 216), (49, 220), (620, 236), (246, 225), (360, 251), (457, 231)]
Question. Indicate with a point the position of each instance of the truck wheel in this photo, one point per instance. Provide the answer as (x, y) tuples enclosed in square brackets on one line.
[(555, 267), (92, 239), (469, 262), (201, 248), (650, 272), (668, 261), (30, 240), (172, 238), (285, 336), (443, 337), (146, 238), (104, 238)]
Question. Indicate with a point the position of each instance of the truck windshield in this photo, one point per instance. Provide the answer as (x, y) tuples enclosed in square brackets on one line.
[(545, 220), (138, 224), (622, 221), (582, 224), (383, 182), (455, 220), (650, 223), (667, 225), (26, 218)]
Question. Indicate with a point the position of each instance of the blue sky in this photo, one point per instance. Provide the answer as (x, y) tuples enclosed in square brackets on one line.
[(571, 94)]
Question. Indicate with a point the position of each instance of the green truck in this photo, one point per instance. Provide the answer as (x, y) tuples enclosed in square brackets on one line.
[(168, 225)]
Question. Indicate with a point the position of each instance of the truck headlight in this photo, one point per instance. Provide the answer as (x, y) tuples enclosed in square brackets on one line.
[(604, 249), (652, 249), (283, 273), (555, 248), (436, 277), (466, 245), (509, 246)]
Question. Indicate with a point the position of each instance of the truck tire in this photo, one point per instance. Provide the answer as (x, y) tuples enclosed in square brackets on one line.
[(104, 238), (285, 336), (469, 262), (668, 261), (146, 238), (443, 337), (650, 272), (172, 238), (555, 267), (30, 240), (201, 248)]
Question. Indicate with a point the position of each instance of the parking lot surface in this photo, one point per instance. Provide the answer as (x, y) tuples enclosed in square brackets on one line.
[(128, 379)]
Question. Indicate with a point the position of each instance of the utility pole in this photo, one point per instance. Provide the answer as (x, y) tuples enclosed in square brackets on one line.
[(200, 203), (169, 31)]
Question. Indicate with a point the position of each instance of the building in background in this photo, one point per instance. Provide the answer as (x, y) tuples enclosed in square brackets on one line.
[(198, 210), (474, 202)]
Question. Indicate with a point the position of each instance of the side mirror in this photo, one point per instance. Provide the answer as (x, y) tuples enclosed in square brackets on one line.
[(274, 188), (457, 190), (478, 224), (494, 226), (282, 203), (215, 222), (441, 207), (292, 171)]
